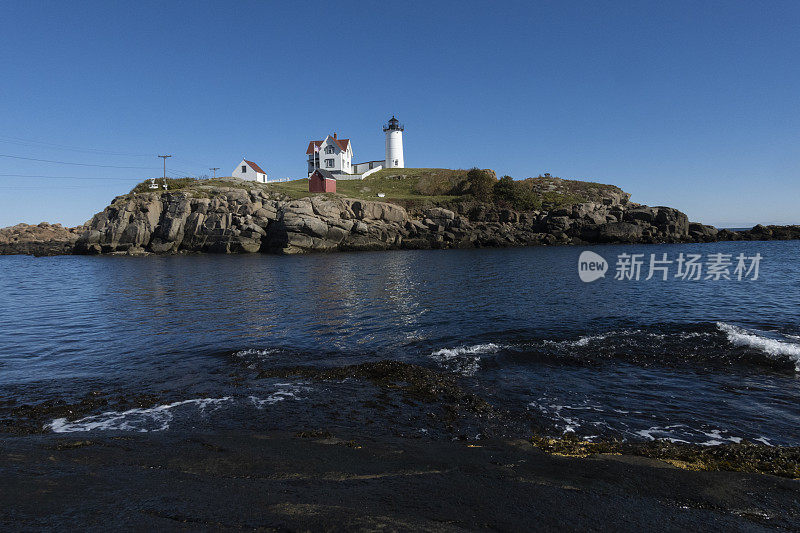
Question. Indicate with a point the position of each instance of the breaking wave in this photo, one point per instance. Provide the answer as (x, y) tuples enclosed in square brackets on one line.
[(711, 345), (774, 347), (592, 420), (155, 418), (464, 360), (256, 352), (286, 391)]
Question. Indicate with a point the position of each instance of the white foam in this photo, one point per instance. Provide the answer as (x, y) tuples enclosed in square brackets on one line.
[(625, 335), (288, 390), (665, 432), (464, 359), (568, 424), (716, 438), (773, 347), (256, 351), (155, 418), (582, 341)]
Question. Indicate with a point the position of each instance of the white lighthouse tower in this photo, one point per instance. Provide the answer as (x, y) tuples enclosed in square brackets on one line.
[(394, 144)]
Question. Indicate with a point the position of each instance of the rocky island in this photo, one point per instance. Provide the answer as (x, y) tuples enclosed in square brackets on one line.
[(422, 209)]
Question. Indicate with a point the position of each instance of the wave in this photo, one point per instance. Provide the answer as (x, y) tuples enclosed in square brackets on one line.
[(591, 420), (623, 336), (464, 360), (155, 418), (256, 351), (775, 348), (705, 345), (287, 391), (685, 434)]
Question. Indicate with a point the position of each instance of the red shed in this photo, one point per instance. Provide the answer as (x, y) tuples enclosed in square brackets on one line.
[(321, 181)]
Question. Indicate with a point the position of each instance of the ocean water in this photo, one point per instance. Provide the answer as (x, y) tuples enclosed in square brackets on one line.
[(698, 361)]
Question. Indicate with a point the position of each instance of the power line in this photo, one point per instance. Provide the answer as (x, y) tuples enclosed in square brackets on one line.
[(180, 158), (63, 177), (181, 170), (215, 171), (30, 142), (26, 188), (75, 164)]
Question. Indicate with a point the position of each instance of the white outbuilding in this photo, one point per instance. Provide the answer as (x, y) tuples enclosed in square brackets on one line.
[(247, 170)]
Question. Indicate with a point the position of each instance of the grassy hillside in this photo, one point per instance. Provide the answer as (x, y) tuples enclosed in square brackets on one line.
[(417, 186), (430, 184)]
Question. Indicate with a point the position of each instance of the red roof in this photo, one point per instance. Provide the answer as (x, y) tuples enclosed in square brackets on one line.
[(311, 145), (254, 166), (343, 143)]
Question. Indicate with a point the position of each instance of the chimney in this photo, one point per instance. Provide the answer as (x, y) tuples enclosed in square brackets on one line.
[(334, 134)]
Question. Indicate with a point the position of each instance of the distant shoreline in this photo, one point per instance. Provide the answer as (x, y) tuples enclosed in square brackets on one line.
[(64, 244)]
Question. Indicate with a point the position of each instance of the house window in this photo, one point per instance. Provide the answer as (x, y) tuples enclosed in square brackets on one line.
[(244, 169), (329, 149), (329, 163)]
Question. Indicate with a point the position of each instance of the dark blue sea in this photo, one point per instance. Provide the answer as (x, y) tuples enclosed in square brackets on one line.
[(704, 361)]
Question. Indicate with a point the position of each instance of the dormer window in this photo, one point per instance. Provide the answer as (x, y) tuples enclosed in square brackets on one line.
[(329, 149)]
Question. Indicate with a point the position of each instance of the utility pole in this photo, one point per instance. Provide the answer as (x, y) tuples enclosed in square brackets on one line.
[(164, 157), (215, 171)]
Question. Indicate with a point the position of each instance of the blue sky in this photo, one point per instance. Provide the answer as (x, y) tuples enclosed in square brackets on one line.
[(694, 105)]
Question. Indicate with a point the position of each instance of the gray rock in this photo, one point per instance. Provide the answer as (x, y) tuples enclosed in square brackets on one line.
[(619, 232), (641, 214), (440, 215), (558, 223)]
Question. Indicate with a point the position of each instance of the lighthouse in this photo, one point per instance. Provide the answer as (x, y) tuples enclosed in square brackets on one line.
[(394, 144)]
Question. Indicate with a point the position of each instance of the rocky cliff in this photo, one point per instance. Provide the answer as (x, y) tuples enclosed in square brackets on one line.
[(237, 220)]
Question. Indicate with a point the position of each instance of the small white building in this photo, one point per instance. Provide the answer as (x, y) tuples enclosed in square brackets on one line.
[(332, 154), (247, 170), (360, 168)]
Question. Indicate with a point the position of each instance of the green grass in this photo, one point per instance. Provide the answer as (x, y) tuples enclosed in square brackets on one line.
[(403, 185)]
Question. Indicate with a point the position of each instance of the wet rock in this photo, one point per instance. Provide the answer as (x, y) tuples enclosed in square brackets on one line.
[(31, 418), (740, 457), (420, 383)]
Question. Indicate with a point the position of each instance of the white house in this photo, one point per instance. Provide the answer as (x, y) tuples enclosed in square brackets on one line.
[(332, 154), (247, 170)]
